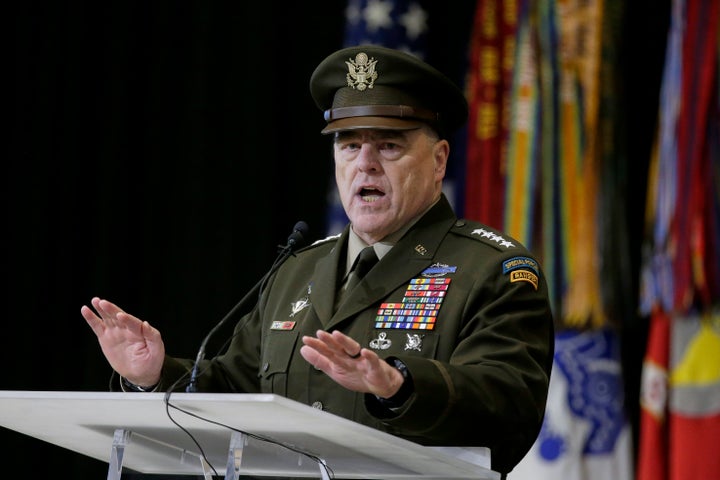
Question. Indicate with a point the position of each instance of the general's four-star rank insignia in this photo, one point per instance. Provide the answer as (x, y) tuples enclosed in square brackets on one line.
[(490, 235)]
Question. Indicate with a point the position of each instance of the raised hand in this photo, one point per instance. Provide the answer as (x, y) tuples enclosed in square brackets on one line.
[(132, 346), (353, 367)]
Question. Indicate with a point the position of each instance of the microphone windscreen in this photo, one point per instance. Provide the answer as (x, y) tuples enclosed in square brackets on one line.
[(298, 237)]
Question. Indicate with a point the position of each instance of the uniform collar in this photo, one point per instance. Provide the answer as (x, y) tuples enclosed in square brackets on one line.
[(356, 244)]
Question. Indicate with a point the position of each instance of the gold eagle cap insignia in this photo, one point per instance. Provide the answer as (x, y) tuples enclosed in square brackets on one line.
[(361, 72)]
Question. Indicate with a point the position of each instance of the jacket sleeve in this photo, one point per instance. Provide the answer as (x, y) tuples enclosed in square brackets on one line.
[(492, 390), (234, 371)]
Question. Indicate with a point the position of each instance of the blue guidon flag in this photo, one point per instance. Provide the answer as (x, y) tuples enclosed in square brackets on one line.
[(586, 434)]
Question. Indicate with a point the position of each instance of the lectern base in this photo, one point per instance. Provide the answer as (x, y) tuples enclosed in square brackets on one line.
[(121, 438)]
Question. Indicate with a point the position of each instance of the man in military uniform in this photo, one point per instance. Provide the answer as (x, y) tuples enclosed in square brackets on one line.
[(446, 340)]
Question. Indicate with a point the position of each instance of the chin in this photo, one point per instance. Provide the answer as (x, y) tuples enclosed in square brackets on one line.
[(366, 225)]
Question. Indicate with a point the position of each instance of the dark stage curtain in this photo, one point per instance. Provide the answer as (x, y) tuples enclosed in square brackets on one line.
[(159, 154)]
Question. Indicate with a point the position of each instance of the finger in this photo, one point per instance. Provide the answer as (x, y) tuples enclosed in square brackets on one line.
[(318, 345), (130, 323), (351, 347), (151, 333), (95, 322), (117, 317), (314, 358), (336, 345), (106, 310)]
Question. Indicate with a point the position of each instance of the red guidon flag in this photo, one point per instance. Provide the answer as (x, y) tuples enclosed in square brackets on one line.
[(653, 442)]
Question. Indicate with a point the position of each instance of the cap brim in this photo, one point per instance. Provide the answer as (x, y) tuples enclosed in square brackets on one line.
[(384, 123)]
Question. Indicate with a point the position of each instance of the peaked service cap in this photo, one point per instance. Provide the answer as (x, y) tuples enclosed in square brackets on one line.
[(369, 86)]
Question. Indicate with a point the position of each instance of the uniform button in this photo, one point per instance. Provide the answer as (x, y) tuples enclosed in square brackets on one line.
[(318, 405), (460, 223), (265, 367)]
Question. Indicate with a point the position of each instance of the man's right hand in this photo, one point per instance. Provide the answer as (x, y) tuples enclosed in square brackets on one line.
[(133, 347)]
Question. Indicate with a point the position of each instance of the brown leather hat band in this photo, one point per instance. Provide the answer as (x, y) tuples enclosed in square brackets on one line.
[(400, 111)]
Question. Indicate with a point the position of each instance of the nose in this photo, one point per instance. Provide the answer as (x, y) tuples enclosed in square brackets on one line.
[(367, 160)]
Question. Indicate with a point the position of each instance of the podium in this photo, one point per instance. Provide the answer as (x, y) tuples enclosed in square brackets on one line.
[(228, 434)]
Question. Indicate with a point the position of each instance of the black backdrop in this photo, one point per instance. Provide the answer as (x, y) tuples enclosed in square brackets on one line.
[(160, 151)]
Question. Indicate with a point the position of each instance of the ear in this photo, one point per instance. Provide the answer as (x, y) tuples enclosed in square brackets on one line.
[(441, 152)]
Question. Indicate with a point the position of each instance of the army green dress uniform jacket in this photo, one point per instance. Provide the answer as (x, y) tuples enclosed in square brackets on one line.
[(478, 350)]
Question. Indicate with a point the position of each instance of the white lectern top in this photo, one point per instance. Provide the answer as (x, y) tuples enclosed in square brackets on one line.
[(86, 422)]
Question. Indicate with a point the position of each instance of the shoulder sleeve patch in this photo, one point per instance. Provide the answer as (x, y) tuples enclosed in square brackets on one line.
[(516, 263), (524, 276)]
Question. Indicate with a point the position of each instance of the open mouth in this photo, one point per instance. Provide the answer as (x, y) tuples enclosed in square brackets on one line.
[(370, 194)]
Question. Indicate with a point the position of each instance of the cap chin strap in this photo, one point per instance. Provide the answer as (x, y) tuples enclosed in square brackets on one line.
[(398, 111)]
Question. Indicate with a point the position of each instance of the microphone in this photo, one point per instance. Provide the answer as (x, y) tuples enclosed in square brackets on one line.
[(296, 240), (297, 237)]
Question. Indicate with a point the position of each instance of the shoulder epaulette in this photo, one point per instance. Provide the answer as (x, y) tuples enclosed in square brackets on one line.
[(316, 243), (325, 240), (485, 234)]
